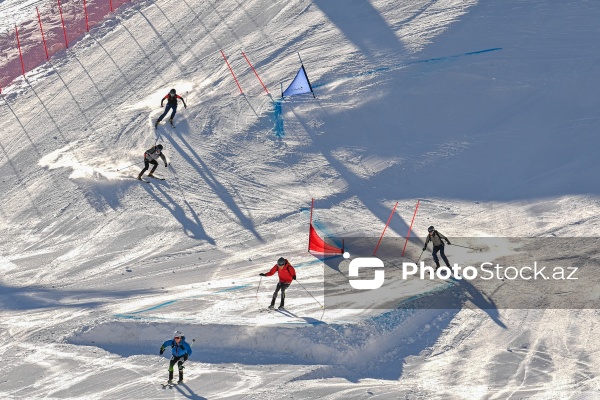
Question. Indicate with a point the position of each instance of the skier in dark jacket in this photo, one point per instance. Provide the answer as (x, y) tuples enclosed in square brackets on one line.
[(171, 98), (436, 238), (180, 351), (150, 157), (286, 274)]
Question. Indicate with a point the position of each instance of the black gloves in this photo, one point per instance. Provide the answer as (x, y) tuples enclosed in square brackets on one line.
[(261, 274), (184, 106), (166, 165), (424, 248), (447, 241), (185, 357), (162, 350), (294, 277)]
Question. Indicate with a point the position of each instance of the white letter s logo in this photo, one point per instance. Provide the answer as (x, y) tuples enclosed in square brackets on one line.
[(366, 262)]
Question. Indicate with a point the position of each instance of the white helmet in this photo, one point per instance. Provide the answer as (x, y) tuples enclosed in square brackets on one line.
[(177, 334)]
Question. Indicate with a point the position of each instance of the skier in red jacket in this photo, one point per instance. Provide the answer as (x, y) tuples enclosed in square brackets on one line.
[(171, 98), (286, 274)]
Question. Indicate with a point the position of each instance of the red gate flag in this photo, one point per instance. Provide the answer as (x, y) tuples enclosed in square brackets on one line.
[(318, 245), (315, 243)]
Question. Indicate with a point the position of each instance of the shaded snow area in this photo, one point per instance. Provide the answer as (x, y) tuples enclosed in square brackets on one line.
[(484, 112)]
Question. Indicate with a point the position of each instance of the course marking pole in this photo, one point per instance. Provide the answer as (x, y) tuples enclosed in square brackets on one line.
[(232, 74)]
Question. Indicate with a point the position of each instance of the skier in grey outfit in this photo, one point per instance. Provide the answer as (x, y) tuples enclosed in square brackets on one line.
[(436, 238), (150, 157)]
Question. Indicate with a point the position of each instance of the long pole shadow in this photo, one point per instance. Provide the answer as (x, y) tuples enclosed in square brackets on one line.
[(379, 30), (193, 229), (480, 300), (164, 46), (79, 107), (13, 166), (214, 184), (357, 186), (151, 64)]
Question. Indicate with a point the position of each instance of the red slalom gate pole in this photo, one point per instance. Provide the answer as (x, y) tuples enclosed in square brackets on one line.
[(63, 24), (312, 205), (232, 74), (20, 54), (87, 26), (410, 227), (386, 225), (261, 82), (42, 30), (111, 7)]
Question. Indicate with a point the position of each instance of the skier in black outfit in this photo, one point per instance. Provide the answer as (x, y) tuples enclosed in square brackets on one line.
[(171, 104), (150, 157), (435, 238)]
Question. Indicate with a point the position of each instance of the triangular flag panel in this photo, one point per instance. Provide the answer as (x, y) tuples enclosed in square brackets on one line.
[(318, 245), (299, 85)]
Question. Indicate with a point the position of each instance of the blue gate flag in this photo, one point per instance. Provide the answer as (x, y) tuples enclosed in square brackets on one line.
[(299, 85)]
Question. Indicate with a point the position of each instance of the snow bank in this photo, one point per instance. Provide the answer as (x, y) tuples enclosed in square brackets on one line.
[(341, 345)]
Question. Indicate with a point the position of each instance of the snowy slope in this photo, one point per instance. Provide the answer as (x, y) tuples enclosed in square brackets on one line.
[(486, 111)]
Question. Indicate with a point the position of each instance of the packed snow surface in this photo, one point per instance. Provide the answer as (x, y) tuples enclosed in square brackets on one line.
[(485, 111)]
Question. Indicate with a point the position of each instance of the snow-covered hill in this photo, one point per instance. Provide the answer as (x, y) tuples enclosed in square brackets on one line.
[(485, 111)]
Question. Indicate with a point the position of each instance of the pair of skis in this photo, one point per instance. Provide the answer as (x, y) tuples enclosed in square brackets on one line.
[(171, 384), (152, 177), (280, 310), (156, 124)]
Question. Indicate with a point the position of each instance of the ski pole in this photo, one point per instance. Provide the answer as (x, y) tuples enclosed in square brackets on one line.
[(191, 344), (258, 287), (130, 165), (420, 256), (466, 247), (310, 294)]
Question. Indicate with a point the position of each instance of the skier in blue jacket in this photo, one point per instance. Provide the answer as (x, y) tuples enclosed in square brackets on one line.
[(180, 351)]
